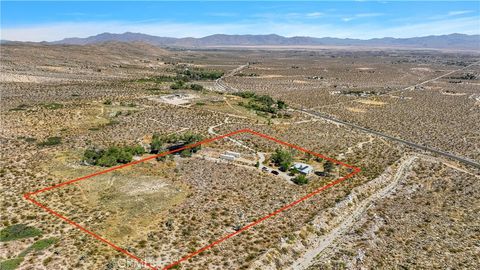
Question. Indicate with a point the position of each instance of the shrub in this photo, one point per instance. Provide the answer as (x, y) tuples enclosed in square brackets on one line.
[(51, 141), (327, 166), (177, 85), (157, 144), (39, 245), (53, 106), (18, 231), (300, 179), (196, 87), (11, 264)]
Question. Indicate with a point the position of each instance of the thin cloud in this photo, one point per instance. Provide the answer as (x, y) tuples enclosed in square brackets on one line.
[(459, 12), (361, 15), (57, 31), (315, 14)]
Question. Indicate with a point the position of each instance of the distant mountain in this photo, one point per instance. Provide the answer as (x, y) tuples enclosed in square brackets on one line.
[(452, 41)]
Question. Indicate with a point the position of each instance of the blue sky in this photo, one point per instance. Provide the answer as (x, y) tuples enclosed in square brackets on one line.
[(38, 20)]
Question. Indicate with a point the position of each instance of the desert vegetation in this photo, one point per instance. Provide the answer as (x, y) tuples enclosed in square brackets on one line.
[(70, 111)]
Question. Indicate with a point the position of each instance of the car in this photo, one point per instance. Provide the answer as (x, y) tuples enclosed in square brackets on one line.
[(264, 169), (275, 172)]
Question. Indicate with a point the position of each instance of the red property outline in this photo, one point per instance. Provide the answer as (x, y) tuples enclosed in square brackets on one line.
[(28, 196)]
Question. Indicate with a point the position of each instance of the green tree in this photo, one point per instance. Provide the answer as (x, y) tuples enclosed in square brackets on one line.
[(300, 179), (107, 161), (281, 105), (327, 166), (186, 153), (196, 87), (282, 158), (157, 144)]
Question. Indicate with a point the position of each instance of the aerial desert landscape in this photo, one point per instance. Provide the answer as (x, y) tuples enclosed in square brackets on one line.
[(127, 154)]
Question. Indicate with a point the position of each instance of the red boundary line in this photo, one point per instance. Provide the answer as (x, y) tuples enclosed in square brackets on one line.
[(28, 196)]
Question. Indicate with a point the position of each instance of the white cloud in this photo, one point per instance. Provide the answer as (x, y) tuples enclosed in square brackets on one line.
[(459, 12), (315, 14), (361, 15), (51, 32)]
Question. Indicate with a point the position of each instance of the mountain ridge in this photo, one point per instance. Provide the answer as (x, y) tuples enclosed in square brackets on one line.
[(451, 41)]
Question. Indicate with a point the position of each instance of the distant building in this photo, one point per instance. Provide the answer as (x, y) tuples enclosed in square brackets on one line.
[(303, 168), (227, 157), (230, 153)]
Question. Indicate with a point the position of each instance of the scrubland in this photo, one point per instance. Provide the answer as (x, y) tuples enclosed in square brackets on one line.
[(404, 208)]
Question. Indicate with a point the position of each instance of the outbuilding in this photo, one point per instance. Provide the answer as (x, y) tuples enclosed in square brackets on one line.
[(303, 168)]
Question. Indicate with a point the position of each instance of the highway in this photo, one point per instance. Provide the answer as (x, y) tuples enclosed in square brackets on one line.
[(383, 135), (222, 86)]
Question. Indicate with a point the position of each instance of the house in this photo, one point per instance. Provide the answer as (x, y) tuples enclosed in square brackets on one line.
[(303, 168)]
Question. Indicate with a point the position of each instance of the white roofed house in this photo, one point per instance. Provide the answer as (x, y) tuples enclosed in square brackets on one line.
[(303, 168)]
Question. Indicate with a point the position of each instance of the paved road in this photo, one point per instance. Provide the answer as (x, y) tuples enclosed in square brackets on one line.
[(223, 87), (412, 144)]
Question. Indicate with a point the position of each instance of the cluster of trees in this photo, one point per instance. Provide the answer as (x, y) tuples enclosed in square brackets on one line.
[(262, 103), (183, 76), (158, 79), (159, 143), (246, 75), (283, 159), (112, 156), (360, 93), (180, 84), (200, 74), (465, 76)]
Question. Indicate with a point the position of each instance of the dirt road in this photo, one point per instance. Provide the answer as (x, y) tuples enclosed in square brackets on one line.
[(306, 260)]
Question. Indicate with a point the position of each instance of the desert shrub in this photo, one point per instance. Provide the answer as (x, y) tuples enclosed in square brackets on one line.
[(39, 245), (53, 106), (11, 264), (328, 166), (186, 153), (281, 105), (157, 79), (18, 231), (50, 141), (21, 107), (300, 179), (177, 85), (245, 94), (196, 87)]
